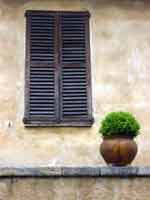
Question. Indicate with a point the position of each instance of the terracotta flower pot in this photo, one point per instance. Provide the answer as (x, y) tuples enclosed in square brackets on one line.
[(118, 151)]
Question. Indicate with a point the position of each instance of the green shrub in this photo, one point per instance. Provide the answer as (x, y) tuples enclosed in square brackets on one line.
[(119, 123)]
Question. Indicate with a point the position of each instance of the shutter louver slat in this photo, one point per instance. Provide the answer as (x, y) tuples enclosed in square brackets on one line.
[(42, 70), (74, 70)]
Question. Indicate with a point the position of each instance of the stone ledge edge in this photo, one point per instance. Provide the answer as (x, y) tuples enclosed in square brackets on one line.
[(84, 171)]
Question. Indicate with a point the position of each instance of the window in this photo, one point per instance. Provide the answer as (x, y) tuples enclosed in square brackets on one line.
[(57, 74)]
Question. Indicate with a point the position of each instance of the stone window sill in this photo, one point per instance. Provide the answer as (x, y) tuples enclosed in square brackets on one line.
[(84, 171)]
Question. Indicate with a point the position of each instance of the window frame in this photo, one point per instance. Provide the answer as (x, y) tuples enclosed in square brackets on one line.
[(42, 123)]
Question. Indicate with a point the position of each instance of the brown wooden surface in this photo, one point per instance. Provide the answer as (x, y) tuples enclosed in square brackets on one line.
[(76, 115)]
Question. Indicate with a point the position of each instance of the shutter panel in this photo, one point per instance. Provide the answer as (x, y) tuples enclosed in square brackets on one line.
[(58, 79), (75, 74), (40, 64)]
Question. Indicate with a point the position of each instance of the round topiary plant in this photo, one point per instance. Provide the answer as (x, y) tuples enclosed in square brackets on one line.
[(119, 124)]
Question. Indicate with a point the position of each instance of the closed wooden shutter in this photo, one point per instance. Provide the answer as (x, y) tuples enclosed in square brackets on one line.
[(40, 66), (58, 81), (75, 81)]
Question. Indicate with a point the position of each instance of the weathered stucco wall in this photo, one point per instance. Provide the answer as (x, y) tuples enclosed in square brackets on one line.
[(120, 48), (74, 189)]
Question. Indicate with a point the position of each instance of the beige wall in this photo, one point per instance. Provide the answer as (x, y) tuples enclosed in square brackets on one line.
[(75, 189), (120, 48)]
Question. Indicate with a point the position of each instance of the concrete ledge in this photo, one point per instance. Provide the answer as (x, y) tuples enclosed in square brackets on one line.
[(84, 171)]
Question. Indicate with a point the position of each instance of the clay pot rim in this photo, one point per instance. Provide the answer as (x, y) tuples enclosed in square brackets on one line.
[(118, 137)]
